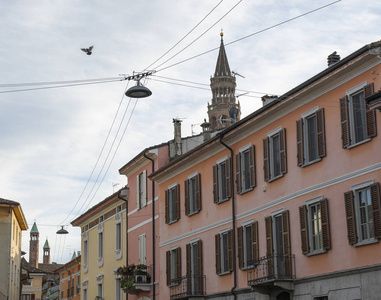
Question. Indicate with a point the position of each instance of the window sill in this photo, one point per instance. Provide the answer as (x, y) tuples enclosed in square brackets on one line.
[(311, 162), (366, 242), (246, 191), (193, 213), (316, 252), (359, 143), (224, 273), (171, 222), (222, 201), (275, 178), (248, 268)]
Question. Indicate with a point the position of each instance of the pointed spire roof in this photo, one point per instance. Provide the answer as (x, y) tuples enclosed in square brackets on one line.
[(222, 66), (46, 245), (74, 256), (34, 228)]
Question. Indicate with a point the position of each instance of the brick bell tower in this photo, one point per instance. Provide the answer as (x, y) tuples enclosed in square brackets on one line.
[(46, 257), (33, 246), (223, 111)]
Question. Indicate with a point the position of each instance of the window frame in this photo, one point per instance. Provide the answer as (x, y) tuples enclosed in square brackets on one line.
[(101, 238), (118, 235), (224, 265), (142, 249), (222, 180), (192, 191), (141, 190), (243, 259), (242, 165), (85, 263), (173, 266), (172, 204), (268, 155)]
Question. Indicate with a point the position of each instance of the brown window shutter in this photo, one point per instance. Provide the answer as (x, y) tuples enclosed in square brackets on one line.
[(371, 125), (266, 159), (166, 207), (200, 265), (254, 237), (351, 218), (215, 184), (198, 191), (168, 269), (228, 178), (238, 177), (230, 250), (320, 122), (269, 236), (286, 242), (218, 256), (177, 201), (326, 235), (253, 178), (304, 229), (283, 151), (178, 262), (368, 90), (344, 115), (188, 259), (186, 193), (240, 247), (376, 206), (299, 142)]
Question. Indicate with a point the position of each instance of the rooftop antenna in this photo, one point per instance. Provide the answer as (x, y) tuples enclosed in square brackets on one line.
[(235, 73), (114, 184)]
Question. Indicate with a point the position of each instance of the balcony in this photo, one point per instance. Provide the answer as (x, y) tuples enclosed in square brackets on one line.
[(135, 279), (272, 271), (188, 286)]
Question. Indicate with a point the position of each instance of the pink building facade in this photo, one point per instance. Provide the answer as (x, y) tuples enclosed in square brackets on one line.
[(285, 203)]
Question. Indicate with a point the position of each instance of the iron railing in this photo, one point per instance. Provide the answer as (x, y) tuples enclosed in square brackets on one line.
[(187, 286), (272, 267)]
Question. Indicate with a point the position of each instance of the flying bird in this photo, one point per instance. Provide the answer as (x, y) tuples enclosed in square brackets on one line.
[(88, 50)]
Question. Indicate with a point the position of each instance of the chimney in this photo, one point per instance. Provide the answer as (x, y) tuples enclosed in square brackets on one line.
[(333, 58), (177, 127), (267, 99), (205, 130)]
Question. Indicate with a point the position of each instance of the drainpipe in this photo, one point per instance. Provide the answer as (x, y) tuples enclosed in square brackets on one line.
[(153, 229), (125, 200), (233, 218)]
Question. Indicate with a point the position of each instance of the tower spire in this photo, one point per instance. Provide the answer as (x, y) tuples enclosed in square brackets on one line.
[(33, 246)]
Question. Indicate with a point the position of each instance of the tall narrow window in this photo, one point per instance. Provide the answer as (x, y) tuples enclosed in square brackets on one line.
[(194, 260), (100, 244), (192, 189), (118, 290), (141, 189), (85, 253), (142, 249), (118, 233), (173, 262), (357, 123), (274, 155), (222, 181), (247, 244), (100, 290), (224, 252), (172, 204), (245, 169)]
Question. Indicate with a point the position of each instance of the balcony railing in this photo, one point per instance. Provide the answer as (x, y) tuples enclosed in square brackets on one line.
[(270, 268), (140, 281), (188, 286)]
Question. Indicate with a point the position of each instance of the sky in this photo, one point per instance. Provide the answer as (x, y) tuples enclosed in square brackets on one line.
[(66, 127)]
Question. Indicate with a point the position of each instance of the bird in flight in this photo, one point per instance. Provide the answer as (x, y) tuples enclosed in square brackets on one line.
[(88, 50)]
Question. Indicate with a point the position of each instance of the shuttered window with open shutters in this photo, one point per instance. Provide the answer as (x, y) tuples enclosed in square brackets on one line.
[(224, 252), (245, 169), (192, 190), (173, 266), (275, 155), (248, 251), (222, 181), (172, 204)]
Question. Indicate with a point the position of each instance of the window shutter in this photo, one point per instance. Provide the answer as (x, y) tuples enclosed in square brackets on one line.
[(326, 235), (240, 247), (371, 125), (269, 246), (144, 189), (138, 192), (254, 237), (177, 201), (200, 265), (166, 207), (376, 206), (283, 151), (188, 258), (266, 161), (186, 192), (286, 242), (168, 269), (230, 250), (351, 220), (320, 122), (218, 256), (215, 184), (198, 191), (253, 178), (299, 142), (344, 115), (178, 262), (368, 90), (304, 229), (238, 177), (228, 178)]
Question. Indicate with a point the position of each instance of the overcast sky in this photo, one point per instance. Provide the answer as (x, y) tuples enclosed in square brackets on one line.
[(51, 140)]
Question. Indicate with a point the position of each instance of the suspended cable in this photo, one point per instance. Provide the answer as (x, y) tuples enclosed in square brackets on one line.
[(184, 36), (199, 35), (250, 35)]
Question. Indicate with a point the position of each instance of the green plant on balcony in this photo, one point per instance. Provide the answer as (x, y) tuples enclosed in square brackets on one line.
[(127, 275)]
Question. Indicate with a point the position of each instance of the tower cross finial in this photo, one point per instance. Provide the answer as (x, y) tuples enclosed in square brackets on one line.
[(222, 33)]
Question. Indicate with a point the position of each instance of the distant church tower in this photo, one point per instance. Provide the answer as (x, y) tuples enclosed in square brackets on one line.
[(224, 110), (46, 259), (33, 246)]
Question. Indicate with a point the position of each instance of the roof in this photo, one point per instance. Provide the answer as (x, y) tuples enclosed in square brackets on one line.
[(222, 66), (17, 210), (46, 245), (34, 228)]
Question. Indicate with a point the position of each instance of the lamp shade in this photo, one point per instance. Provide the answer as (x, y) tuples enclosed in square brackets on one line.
[(138, 91), (62, 231)]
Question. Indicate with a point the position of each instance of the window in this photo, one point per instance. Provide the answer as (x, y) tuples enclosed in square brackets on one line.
[(78, 284), (245, 169), (194, 261), (314, 226), (362, 207), (68, 289), (221, 180), (248, 250), (85, 254), (141, 189), (173, 263), (72, 287), (84, 294), (274, 155), (100, 290), (118, 235), (310, 137), (358, 124), (142, 249), (100, 244), (172, 204), (118, 290), (192, 188), (224, 252)]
